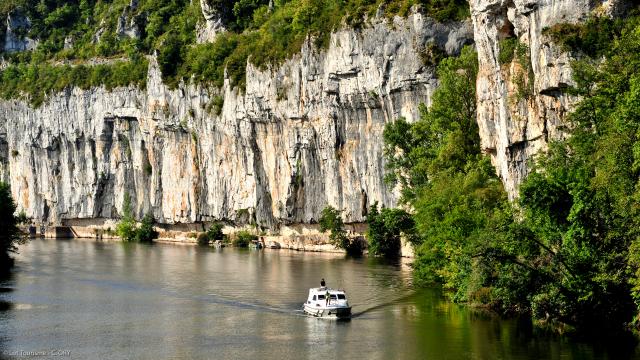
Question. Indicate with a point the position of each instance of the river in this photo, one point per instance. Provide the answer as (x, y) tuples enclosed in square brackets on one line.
[(92, 300)]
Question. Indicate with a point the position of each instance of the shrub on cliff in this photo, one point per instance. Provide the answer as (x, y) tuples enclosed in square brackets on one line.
[(386, 227), (331, 220), (128, 230), (145, 232), (243, 239), (215, 232), (10, 235), (77, 31)]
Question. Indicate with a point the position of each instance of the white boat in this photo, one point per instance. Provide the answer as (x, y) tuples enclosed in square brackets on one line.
[(327, 303)]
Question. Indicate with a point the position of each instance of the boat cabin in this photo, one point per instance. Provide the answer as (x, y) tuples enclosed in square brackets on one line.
[(318, 295), (326, 302)]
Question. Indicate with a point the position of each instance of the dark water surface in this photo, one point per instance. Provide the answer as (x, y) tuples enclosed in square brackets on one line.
[(115, 301)]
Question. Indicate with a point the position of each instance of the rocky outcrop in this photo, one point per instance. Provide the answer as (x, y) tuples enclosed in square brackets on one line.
[(521, 104), (15, 38), (131, 24), (212, 25), (303, 135)]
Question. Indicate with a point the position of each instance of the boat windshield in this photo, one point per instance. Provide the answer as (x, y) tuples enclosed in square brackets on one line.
[(320, 297), (341, 297)]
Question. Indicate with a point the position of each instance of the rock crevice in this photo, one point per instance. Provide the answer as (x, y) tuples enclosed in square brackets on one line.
[(520, 111)]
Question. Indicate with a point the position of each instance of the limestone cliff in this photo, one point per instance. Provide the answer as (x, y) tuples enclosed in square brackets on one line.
[(303, 135), (521, 104), (13, 41)]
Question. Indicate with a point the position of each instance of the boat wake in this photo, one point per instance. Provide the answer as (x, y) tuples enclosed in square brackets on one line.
[(218, 299), (213, 298), (395, 301)]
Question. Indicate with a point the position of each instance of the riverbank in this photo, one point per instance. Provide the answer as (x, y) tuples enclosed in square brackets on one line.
[(300, 237)]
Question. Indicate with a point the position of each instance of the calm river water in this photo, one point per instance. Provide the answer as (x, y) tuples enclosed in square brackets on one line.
[(111, 300)]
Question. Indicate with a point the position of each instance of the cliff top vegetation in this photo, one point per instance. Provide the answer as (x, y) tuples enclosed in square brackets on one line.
[(70, 33)]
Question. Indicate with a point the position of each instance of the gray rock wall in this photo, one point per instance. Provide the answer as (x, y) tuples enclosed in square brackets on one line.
[(14, 41), (303, 135), (514, 128)]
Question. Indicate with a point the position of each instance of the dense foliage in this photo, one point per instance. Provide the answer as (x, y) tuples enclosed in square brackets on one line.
[(214, 233), (386, 228), (128, 230), (10, 235), (331, 220), (74, 31), (145, 232), (39, 79), (568, 251), (458, 199), (243, 239), (582, 203)]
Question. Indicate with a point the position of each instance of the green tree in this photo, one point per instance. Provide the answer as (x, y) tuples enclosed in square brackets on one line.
[(10, 235), (446, 137), (145, 233), (459, 203), (386, 227), (243, 239), (568, 251), (243, 11), (580, 205), (214, 233), (126, 228), (170, 56), (331, 220)]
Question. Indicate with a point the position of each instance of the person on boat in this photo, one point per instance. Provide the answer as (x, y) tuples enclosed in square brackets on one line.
[(322, 283), (328, 298)]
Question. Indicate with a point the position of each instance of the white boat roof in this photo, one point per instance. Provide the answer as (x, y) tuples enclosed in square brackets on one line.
[(323, 290)]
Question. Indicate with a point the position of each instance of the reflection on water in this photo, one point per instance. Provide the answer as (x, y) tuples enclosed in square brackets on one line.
[(102, 300)]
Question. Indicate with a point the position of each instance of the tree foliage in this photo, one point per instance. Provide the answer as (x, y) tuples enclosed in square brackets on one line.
[(459, 202), (79, 30), (568, 250), (331, 220), (214, 233), (145, 232), (128, 230), (243, 239), (125, 229), (386, 228), (581, 203), (445, 139), (10, 235)]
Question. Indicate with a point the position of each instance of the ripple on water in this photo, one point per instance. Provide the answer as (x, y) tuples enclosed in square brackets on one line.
[(164, 301)]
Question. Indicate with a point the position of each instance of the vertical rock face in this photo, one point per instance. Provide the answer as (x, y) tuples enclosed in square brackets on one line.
[(17, 26), (130, 25), (212, 25), (303, 135), (522, 106)]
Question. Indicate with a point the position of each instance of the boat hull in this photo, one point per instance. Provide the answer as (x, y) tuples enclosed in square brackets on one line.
[(328, 312)]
